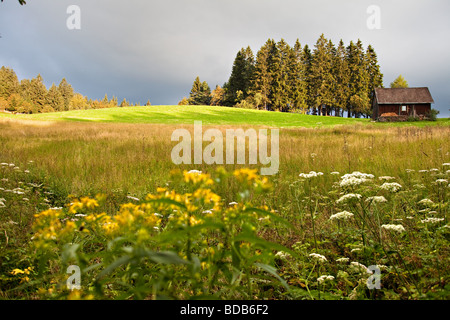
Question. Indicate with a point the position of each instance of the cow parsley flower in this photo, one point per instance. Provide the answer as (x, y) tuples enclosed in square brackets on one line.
[(311, 174), (322, 279), (441, 181), (360, 267), (432, 220), (318, 257), (426, 202), (342, 260), (376, 199), (349, 196), (394, 227), (391, 187), (344, 215), (385, 178)]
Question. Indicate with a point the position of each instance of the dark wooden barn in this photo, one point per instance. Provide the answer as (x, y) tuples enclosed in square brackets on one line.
[(401, 103)]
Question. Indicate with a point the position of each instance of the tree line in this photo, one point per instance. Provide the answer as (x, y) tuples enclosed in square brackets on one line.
[(32, 96), (326, 80)]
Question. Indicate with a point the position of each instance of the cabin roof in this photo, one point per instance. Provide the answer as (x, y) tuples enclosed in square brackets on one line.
[(403, 95)]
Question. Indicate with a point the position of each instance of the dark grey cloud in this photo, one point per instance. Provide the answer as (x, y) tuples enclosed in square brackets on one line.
[(155, 49)]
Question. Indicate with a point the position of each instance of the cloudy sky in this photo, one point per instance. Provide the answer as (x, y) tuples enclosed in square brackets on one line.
[(142, 50)]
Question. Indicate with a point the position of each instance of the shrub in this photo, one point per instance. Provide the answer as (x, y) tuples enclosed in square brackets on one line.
[(433, 115)]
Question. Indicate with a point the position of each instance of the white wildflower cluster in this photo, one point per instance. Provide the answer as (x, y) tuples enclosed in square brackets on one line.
[(391, 187), (349, 196), (432, 220), (344, 215), (318, 257), (394, 227), (386, 178), (355, 178), (311, 174), (322, 279), (232, 203), (434, 170), (334, 173), (441, 181), (2, 203), (447, 164), (410, 170), (342, 260), (426, 202), (423, 171), (282, 255), (195, 172), (376, 199), (360, 267)]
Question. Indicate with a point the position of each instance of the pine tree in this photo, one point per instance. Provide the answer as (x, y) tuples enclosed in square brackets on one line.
[(297, 83), (280, 76), (263, 77), (373, 70), (105, 100), (54, 99), (200, 93), (321, 77), (358, 84), (241, 76), (123, 104), (400, 82), (66, 91), (342, 77), (9, 83), (307, 63), (217, 96), (36, 92)]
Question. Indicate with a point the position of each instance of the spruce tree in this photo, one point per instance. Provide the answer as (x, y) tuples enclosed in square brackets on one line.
[(241, 76), (217, 96), (358, 84), (307, 63), (200, 93), (297, 82), (280, 76), (66, 91), (9, 83), (54, 99), (35, 92), (263, 77), (373, 70), (342, 77), (400, 82), (321, 77)]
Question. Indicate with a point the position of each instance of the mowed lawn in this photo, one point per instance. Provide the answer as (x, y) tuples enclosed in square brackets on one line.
[(209, 115)]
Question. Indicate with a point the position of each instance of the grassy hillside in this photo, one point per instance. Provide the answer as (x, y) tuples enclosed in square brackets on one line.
[(206, 114)]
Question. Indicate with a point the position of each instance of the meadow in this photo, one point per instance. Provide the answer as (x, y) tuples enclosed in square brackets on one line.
[(98, 189)]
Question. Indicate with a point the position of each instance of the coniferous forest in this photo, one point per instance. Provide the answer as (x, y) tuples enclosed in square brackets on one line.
[(32, 96), (328, 79)]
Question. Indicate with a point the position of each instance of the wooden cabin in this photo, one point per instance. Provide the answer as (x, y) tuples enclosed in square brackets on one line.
[(398, 104)]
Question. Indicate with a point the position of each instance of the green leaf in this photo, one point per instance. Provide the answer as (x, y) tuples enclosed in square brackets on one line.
[(273, 272), (262, 212), (163, 257)]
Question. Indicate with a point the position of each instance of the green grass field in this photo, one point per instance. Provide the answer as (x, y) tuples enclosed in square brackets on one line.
[(84, 188), (207, 114)]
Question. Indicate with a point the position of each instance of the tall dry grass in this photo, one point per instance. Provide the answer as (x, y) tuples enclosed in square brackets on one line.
[(83, 158)]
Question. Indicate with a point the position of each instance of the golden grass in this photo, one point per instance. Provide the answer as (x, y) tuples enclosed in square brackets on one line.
[(83, 158)]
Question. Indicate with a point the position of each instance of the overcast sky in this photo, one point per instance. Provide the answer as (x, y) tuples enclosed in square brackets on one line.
[(142, 50)]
